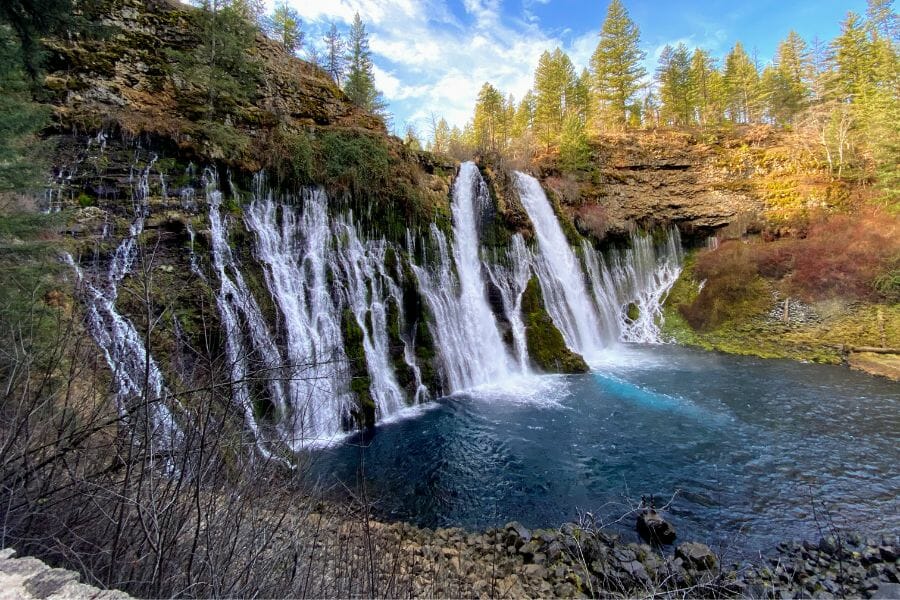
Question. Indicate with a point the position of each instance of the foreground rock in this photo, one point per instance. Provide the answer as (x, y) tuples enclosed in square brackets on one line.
[(654, 529), (28, 578), (583, 561)]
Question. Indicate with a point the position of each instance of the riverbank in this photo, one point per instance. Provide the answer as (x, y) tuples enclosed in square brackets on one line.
[(581, 560), (768, 325)]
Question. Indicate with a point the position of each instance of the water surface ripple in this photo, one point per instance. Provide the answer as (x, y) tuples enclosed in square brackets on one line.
[(758, 450)]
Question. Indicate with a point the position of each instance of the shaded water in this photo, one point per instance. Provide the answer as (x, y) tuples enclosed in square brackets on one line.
[(758, 450)]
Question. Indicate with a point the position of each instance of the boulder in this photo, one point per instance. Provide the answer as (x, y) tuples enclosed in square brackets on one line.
[(697, 555), (654, 529)]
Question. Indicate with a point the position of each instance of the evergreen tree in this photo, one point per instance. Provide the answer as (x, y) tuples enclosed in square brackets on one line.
[(487, 122), (882, 21), (783, 83), (616, 63), (286, 27), (20, 117), (674, 76), (574, 151), (554, 89), (441, 135), (360, 84), (28, 21), (411, 138), (220, 67), (335, 60), (852, 59), (251, 11), (705, 88), (650, 116), (523, 119), (314, 56), (580, 101), (741, 85)]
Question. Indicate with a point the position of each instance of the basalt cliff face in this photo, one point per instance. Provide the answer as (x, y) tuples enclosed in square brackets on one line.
[(126, 77)]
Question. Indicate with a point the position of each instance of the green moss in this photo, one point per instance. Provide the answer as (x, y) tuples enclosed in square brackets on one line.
[(404, 373), (568, 227), (360, 382), (760, 335), (545, 343), (633, 312)]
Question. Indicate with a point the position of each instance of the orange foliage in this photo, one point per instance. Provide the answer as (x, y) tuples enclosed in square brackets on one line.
[(842, 256)]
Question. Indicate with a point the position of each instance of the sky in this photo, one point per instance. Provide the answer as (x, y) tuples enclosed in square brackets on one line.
[(432, 56)]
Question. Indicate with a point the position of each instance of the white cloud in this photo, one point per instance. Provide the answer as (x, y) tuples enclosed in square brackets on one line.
[(429, 59)]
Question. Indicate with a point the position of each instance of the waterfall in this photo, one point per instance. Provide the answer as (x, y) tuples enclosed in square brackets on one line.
[(465, 329), (641, 275), (137, 379), (240, 313), (512, 280), (559, 270), (296, 255), (364, 278)]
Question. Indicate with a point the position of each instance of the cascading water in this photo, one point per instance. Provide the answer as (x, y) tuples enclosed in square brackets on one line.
[(363, 275), (562, 280), (239, 311), (641, 275), (465, 328), (138, 381), (295, 254), (511, 280), (292, 380)]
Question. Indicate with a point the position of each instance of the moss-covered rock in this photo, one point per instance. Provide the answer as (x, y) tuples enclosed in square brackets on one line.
[(546, 345), (360, 382)]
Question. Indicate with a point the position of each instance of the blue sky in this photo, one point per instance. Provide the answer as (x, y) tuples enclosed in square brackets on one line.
[(432, 56)]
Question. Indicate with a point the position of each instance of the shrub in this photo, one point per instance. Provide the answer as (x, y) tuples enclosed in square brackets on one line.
[(733, 287), (845, 256), (353, 161)]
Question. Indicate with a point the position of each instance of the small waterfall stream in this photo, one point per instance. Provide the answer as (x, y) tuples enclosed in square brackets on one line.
[(138, 381), (641, 275), (559, 270), (512, 280), (466, 330), (296, 254)]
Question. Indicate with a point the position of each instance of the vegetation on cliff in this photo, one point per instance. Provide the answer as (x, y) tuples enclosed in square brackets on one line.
[(546, 346)]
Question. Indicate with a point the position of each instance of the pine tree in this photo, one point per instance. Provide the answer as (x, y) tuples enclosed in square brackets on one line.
[(705, 88), (28, 21), (20, 117), (616, 63), (741, 85), (852, 59), (314, 56), (220, 67), (574, 151), (650, 116), (783, 83), (360, 84), (335, 60), (580, 101), (286, 27), (487, 122), (674, 76), (554, 88), (441, 137), (882, 21)]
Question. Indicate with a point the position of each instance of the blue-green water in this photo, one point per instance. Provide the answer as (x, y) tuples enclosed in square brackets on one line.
[(753, 451)]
